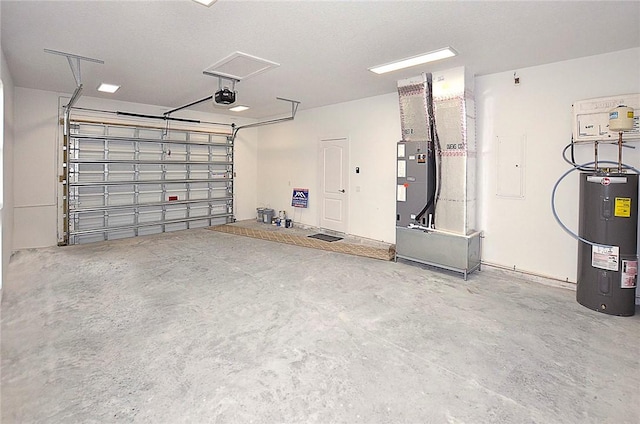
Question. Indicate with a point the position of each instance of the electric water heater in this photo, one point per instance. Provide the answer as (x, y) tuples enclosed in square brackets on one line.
[(608, 270)]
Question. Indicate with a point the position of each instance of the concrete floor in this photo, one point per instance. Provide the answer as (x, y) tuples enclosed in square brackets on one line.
[(199, 326)]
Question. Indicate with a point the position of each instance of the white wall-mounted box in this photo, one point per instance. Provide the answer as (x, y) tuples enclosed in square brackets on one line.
[(591, 118)]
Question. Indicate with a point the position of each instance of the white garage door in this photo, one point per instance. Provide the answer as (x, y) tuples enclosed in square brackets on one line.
[(125, 181)]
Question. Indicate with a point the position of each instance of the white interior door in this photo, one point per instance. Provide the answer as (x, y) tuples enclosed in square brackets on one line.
[(334, 182)]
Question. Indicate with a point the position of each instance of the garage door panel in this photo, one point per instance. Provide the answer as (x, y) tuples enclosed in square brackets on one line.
[(89, 220), (199, 210), (120, 131), (176, 227), (119, 181), (148, 215), (89, 129), (89, 238), (199, 153), (117, 190), (218, 221), (175, 172), (120, 150), (199, 193), (218, 209), (149, 133), (176, 212), (120, 198), (199, 224), (218, 157), (148, 172), (120, 218), (89, 202), (176, 192), (91, 149), (220, 190), (150, 194), (176, 157), (85, 173), (120, 172), (177, 135), (120, 234), (150, 152), (199, 137), (147, 231), (85, 197), (199, 174)]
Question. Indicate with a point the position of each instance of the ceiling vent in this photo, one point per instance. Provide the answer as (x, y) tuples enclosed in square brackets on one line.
[(240, 66)]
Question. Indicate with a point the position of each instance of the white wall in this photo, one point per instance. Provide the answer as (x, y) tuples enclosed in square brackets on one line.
[(6, 223), (35, 153), (37, 136), (522, 233), (287, 158)]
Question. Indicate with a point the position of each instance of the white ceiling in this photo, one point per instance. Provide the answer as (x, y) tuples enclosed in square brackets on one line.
[(157, 50)]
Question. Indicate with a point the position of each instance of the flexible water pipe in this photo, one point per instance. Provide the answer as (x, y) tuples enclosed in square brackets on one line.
[(572, 161), (553, 199)]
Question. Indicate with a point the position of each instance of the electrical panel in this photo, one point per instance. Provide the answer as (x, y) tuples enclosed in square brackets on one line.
[(591, 118)]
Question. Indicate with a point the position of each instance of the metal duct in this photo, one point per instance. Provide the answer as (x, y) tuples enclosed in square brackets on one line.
[(456, 208)]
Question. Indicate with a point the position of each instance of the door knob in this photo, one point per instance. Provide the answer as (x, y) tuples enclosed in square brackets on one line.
[(341, 191)]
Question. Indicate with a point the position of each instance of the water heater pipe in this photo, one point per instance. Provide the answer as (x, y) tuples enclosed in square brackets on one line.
[(620, 152), (553, 200)]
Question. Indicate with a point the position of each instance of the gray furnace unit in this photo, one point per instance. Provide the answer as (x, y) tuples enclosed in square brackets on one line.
[(412, 183), (608, 269)]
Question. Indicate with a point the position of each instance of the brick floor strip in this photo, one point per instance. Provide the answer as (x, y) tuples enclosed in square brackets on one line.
[(342, 247)]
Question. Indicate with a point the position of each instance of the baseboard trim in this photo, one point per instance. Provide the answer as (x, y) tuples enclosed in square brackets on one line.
[(532, 276)]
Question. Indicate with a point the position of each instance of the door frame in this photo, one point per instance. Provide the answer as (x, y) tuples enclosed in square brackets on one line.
[(320, 178)]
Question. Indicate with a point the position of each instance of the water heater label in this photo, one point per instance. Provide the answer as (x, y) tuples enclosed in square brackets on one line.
[(605, 257), (623, 207), (629, 274)]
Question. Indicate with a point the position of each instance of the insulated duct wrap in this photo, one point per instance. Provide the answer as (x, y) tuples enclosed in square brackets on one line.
[(455, 209), (414, 119)]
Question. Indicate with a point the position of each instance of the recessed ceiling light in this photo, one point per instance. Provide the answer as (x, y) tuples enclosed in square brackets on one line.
[(239, 108), (415, 60), (108, 88), (206, 2)]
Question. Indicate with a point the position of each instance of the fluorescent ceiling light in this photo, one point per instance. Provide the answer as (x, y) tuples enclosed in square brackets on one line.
[(108, 88), (205, 2), (238, 108), (415, 60)]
